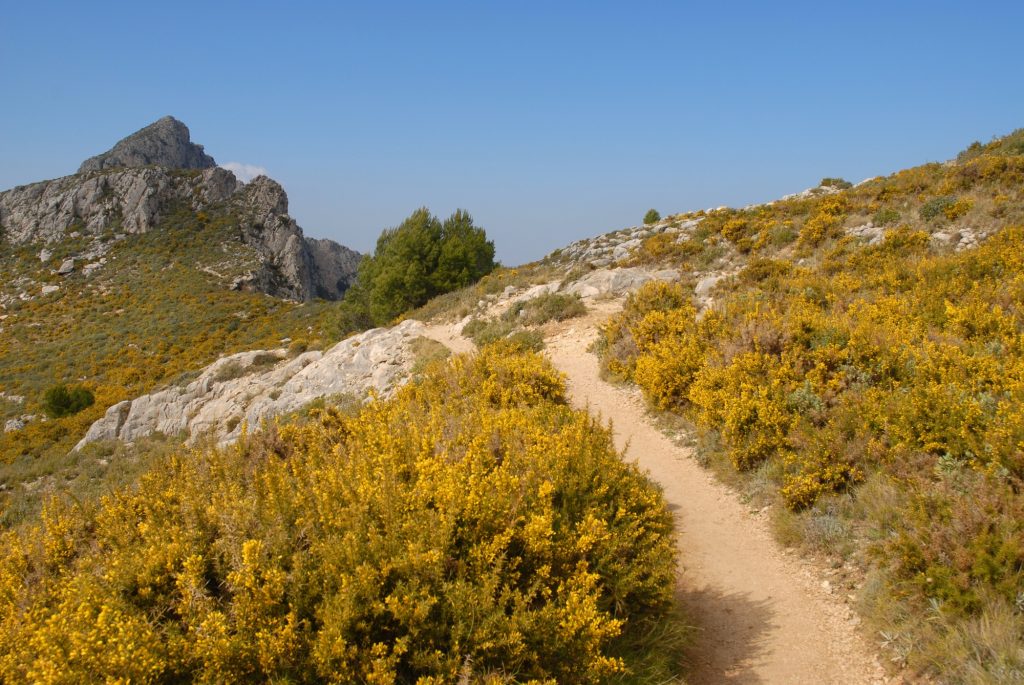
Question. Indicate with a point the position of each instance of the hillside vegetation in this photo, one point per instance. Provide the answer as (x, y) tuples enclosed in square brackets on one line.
[(472, 529), (159, 309), (866, 369)]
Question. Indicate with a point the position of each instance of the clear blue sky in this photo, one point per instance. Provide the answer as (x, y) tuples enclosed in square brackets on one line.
[(549, 121)]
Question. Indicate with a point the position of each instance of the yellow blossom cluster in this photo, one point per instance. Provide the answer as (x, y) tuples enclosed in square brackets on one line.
[(474, 529), (898, 358)]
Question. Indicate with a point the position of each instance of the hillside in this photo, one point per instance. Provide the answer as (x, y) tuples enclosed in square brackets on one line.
[(861, 372), (149, 263), (849, 359)]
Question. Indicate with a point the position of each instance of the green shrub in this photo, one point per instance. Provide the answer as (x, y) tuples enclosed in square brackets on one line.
[(830, 182), (936, 206), (546, 307), (61, 400), (486, 331), (525, 341), (652, 217), (886, 216), (422, 258)]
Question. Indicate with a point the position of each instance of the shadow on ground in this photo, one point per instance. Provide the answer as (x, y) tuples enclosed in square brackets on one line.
[(728, 636)]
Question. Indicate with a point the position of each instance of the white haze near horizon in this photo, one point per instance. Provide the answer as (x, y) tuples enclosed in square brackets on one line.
[(245, 172)]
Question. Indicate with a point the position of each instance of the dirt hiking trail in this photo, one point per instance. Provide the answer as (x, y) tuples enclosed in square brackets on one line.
[(761, 615)]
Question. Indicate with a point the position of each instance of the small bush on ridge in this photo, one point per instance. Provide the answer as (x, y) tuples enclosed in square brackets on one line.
[(61, 400)]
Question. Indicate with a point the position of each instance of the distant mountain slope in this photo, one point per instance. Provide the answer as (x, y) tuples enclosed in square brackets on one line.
[(156, 172), (128, 275)]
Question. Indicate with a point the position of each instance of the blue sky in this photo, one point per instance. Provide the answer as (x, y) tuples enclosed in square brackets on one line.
[(548, 121)]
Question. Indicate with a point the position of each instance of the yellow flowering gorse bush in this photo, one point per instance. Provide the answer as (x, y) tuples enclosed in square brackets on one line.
[(472, 527), (829, 361)]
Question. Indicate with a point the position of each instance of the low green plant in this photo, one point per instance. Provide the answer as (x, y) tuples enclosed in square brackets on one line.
[(936, 207), (652, 217), (544, 308), (886, 216), (486, 331), (525, 341), (61, 400)]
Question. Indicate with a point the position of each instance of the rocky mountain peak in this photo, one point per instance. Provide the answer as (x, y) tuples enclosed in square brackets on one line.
[(135, 186), (164, 143)]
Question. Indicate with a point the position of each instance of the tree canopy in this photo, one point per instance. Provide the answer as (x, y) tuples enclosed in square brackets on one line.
[(419, 259)]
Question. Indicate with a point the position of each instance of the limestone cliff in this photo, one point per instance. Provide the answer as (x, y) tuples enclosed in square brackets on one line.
[(157, 171)]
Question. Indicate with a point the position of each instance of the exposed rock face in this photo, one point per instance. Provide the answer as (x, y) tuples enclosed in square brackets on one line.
[(243, 388), (618, 281), (296, 267), (132, 200), (164, 143), (334, 267), (108, 196)]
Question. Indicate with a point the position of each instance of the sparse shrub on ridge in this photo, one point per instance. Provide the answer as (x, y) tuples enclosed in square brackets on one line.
[(652, 217)]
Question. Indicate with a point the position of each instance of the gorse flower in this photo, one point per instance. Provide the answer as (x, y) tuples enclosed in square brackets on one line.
[(472, 522)]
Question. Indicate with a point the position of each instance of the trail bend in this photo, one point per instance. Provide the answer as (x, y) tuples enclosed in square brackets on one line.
[(761, 614)]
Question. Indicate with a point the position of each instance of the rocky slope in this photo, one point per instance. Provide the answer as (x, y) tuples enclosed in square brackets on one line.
[(247, 387), (159, 171), (603, 250)]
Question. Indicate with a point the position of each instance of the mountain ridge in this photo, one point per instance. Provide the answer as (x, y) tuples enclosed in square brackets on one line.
[(156, 171), (166, 142)]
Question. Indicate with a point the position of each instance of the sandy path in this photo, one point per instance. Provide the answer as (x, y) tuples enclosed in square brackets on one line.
[(761, 615)]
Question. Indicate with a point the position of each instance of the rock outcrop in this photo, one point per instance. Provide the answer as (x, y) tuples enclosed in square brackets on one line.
[(609, 248), (164, 143), (251, 386), (294, 266), (334, 267), (157, 171), (616, 282), (126, 200)]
